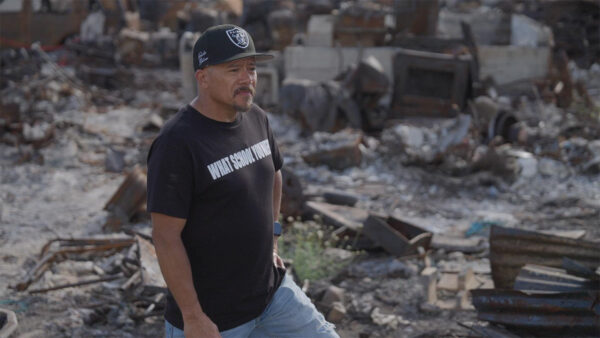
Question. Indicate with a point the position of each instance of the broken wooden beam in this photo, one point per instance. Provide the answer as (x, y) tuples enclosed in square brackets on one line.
[(467, 245), (339, 215), (80, 283), (151, 273), (341, 156), (75, 246), (430, 275), (340, 198), (128, 200)]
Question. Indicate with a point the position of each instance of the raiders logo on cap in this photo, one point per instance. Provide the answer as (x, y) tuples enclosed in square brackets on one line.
[(239, 37), (224, 43)]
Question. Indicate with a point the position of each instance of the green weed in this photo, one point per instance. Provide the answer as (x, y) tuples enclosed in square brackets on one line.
[(306, 244)]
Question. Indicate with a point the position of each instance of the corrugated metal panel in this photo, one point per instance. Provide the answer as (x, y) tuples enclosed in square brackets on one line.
[(542, 314), (543, 278), (511, 249)]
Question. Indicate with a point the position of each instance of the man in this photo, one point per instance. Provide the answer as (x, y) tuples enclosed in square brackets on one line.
[(214, 190)]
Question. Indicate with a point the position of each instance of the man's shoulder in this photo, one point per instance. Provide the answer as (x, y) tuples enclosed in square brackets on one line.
[(255, 109), (257, 112), (177, 127)]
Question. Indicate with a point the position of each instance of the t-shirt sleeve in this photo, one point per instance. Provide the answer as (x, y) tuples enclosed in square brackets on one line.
[(170, 177), (277, 159)]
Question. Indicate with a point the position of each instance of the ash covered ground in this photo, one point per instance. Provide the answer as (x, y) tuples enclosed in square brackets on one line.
[(59, 190)]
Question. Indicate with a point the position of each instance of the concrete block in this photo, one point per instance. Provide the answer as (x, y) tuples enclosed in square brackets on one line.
[(337, 313), (324, 63), (320, 30), (498, 62), (332, 295)]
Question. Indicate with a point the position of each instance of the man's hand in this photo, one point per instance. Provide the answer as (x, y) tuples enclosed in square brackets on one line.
[(200, 327), (278, 261)]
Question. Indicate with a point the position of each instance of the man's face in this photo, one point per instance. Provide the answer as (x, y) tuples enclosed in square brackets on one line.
[(233, 83)]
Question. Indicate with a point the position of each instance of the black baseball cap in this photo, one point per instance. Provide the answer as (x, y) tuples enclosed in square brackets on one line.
[(224, 43)]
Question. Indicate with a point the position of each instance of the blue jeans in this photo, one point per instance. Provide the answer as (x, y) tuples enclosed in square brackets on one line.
[(290, 314)]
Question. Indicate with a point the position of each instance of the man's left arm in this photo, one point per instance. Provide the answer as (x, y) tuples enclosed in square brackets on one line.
[(277, 185)]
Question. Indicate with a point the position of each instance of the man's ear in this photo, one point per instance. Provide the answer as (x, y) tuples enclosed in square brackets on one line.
[(201, 76)]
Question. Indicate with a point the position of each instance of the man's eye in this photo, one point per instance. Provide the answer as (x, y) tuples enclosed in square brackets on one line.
[(233, 70)]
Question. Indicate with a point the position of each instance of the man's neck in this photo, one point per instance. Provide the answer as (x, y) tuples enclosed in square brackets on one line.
[(213, 110)]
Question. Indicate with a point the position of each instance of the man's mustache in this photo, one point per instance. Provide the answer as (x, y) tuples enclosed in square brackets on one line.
[(239, 90)]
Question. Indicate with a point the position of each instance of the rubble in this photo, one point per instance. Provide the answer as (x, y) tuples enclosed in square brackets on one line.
[(339, 153), (292, 198), (381, 268), (73, 247), (337, 313), (332, 295), (8, 323), (332, 304), (118, 262), (390, 320), (360, 24), (427, 145)]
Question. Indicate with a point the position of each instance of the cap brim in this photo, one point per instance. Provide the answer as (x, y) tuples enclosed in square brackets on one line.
[(260, 57)]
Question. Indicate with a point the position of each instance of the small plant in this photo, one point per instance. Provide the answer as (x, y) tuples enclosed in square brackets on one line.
[(306, 244)]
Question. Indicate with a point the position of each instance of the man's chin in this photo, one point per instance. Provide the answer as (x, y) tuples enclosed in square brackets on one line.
[(243, 108)]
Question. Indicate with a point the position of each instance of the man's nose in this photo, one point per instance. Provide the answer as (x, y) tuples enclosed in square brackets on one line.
[(247, 76)]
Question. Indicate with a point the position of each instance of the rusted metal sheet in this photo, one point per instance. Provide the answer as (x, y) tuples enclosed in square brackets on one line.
[(429, 84), (543, 278), (128, 200), (339, 157), (396, 236), (560, 314), (511, 249), (348, 221)]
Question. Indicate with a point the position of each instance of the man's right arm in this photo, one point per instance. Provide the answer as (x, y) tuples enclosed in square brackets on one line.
[(176, 269)]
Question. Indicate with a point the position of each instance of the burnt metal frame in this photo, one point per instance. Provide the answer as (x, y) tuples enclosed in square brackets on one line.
[(404, 104)]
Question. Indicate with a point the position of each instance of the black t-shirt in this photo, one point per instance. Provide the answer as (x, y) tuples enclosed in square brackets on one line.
[(219, 177)]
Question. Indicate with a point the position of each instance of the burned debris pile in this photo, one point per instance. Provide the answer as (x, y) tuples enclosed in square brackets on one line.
[(125, 267)]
